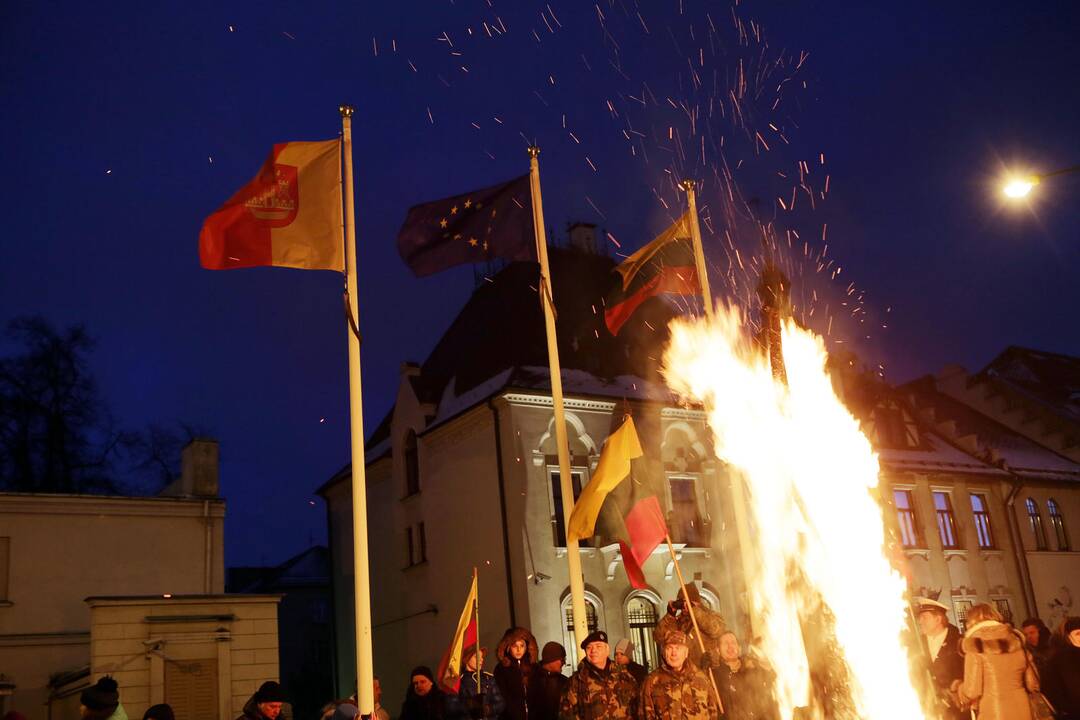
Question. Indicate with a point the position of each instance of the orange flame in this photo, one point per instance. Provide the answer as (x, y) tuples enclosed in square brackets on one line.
[(812, 477)]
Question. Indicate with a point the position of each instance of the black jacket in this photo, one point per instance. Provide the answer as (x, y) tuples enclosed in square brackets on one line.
[(544, 693), (1062, 682), (433, 706)]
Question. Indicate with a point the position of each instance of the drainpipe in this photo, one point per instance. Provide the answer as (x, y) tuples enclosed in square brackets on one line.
[(502, 512), (1017, 541), (206, 544)]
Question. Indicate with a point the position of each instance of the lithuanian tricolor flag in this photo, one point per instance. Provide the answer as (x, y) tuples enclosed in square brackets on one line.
[(665, 265), (449, 673), (626, 507), (289, 215)]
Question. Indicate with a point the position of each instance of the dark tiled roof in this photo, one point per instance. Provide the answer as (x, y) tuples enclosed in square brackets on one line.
[(1050, 379)]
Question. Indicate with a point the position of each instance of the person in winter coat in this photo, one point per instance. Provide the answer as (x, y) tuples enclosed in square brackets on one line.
[(946, 661), (677, 690), (1038, 643), (1062, 684), (599, 688), (159, 712), (998, 671), (547, 684), (517, 654), (425, 700), (101, 701), (710, 623), (483, 700), (746, 686), (624, 655), (268, 703)]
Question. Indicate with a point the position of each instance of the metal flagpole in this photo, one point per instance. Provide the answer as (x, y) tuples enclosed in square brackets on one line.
[(476, 615), (738, 497), (365, 680), (573, 557)]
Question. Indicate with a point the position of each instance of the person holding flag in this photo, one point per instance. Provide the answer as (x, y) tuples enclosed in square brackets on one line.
[(478, 693)]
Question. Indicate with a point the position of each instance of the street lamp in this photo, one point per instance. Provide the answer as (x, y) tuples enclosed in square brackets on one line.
[(1020, 186)]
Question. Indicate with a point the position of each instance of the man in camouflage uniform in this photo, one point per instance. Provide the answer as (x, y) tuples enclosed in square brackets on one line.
[(677, 690), (710, 623), (599, 688)]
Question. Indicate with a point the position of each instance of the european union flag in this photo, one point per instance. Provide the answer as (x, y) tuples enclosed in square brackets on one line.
[(494, 222)]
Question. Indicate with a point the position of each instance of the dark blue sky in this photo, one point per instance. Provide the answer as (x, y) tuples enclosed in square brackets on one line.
[(125, 124)]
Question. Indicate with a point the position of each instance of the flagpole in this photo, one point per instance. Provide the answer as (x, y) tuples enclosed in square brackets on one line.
[(738, 497), (365, 680), (476, 615), (693, 619), (573, 557)]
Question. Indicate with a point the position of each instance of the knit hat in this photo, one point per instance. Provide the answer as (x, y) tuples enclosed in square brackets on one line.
[(345, 711), (596, 636), (159, 712), (552, 651), (676, 637), (625, 646), (1072, 623), (422, 670), (693, 594), (103, 695), (269, 692)]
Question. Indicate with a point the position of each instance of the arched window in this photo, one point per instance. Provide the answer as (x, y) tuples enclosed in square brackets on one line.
[(1058, 523), (709, 598), (412, 464), (593, 613), (1035, 520), (641, 619)]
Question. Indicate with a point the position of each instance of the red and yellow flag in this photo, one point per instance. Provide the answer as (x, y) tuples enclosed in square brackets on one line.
[(289, 215), (450, 667)]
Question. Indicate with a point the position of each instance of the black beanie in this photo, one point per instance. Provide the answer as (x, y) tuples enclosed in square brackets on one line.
[(102, 695), (422, 670), (269, 692)]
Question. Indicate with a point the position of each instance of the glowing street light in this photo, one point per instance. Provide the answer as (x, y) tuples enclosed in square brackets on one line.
[(1018, 187)]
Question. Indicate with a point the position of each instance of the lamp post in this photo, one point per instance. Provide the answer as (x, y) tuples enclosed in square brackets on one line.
[(1020, 186)]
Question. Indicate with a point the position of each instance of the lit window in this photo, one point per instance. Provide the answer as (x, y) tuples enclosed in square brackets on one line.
[(641, 617), (1058, 523), (558, 521), (946, 521), (685, 517), (905, 517), (1036, 524), (412, 465), (982, 521), (591, 621)]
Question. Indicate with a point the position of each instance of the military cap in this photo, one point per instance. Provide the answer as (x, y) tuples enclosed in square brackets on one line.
[(676, 637), (596, 636)]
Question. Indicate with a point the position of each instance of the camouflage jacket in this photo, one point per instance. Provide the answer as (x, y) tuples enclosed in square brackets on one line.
[(711, 624), (683, 695), (592, 694)]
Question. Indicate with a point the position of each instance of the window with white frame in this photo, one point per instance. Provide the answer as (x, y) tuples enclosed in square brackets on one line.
[(686, 524), (641, 619), (558, 520), (905, 518), (980, 509), (1036, 524), (593, 612), (1057, 521), (946, 520)]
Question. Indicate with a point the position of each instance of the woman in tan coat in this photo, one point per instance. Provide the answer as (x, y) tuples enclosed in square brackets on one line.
[(997, 669)]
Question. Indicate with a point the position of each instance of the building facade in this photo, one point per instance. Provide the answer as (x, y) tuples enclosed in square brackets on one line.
[(58, 550)]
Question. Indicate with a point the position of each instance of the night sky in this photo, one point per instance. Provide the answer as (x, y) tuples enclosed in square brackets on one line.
[(125, 124)]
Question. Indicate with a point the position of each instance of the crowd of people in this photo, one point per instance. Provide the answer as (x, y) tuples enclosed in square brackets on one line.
[(992, 671), (998, 672)]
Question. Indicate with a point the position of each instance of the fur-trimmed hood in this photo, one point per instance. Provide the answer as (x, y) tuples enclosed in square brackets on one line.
[(532, 651), (992, 638)]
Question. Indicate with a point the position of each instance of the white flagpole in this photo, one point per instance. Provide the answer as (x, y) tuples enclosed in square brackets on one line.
[(365, 678), (573, 557), (738, 497)]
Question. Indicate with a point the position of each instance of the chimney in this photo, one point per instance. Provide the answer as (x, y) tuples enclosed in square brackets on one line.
[(583, 237), (198, 471)]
